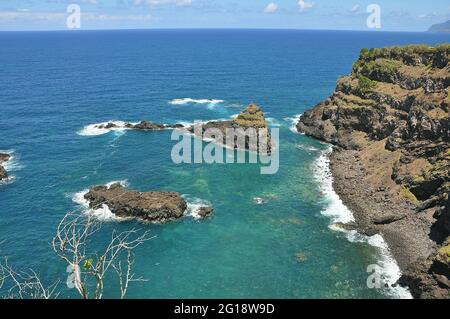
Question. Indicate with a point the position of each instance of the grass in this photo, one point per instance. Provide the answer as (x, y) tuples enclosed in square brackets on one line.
[(406, 193)]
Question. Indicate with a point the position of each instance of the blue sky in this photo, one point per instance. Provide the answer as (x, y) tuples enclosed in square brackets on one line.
[(396, 15)]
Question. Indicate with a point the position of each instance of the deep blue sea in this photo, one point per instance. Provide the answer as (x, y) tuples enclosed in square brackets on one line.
[(53, 85)]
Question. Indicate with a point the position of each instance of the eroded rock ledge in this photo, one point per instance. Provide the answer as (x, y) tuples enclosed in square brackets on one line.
[(3, 159), (155, 207), (143, 125), (390, 121)]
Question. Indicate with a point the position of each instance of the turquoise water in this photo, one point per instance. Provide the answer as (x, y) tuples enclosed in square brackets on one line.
[(55, 84)]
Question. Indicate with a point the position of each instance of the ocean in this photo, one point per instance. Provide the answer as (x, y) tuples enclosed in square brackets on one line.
[(56, 85)]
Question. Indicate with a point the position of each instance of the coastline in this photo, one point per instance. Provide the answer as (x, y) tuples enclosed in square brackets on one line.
[(345, 218), (407, 238)]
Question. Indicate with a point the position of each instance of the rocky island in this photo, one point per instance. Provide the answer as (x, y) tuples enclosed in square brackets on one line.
[(390, 123), (3, 159), (155, 207), (143, 125), (250, 118)]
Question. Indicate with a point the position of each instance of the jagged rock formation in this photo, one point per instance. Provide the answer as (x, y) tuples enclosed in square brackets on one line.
[(143, 125), (250, 118), (390, 120), (3, 158), (146, 206)]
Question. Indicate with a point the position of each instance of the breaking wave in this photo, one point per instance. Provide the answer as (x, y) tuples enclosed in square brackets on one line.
[(339, 213)]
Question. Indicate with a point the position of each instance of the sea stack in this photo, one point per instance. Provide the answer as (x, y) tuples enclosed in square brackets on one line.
[(390, 122), (250, 118)]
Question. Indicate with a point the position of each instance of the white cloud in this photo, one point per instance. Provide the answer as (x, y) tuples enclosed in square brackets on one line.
[(305, 5), (356, 8), (271, 8), (154, 3)]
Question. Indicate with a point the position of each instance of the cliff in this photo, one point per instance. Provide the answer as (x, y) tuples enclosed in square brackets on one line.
[(440, 27), (390, 122)]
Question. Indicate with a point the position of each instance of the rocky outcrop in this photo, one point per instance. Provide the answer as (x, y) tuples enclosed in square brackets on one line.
[(146, 206), (3, 158), (143, 125), (390, 121), (250, 129)]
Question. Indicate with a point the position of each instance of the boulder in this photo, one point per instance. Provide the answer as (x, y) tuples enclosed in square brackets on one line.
[(205, 212), (4, 157)]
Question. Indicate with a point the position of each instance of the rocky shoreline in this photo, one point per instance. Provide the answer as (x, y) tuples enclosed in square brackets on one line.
[(390, 123), (3, 159)]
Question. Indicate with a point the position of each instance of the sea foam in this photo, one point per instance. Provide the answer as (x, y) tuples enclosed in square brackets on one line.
[(188, 100), (293, 121), (11, 165), (339, 213), (102, 214), (193, 206), (94, 130)]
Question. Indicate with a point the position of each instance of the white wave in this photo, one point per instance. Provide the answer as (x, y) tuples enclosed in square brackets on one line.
[(294, 120), (103, 213), (335, 209), (95, 129), (11, 165), (307, 148), (185, 101), (194, 205), (339, 213)]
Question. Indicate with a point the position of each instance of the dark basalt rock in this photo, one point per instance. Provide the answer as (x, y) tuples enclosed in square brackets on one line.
[(143, 125), (204, 212), (3, 158), (3, 173), (146, 206)]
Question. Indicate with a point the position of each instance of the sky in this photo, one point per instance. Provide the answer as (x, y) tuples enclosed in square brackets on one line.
[(396, 15)]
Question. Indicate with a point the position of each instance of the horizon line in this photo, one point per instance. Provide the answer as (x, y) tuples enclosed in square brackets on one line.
[(217, 28)]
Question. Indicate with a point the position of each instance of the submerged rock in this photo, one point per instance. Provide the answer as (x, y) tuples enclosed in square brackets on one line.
[(146, 206)]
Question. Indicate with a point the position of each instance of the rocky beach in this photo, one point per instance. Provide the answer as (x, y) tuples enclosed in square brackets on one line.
[(390, 124)]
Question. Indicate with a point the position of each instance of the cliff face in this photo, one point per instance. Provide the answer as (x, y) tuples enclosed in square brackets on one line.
[(440, 28), (393, 113)]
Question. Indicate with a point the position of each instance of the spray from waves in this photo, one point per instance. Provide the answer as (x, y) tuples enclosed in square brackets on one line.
[(102, 214), (193, 206), (99, 129), (188, 100), (11, 165), (339, 213), (307, 148), (293, 121)]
